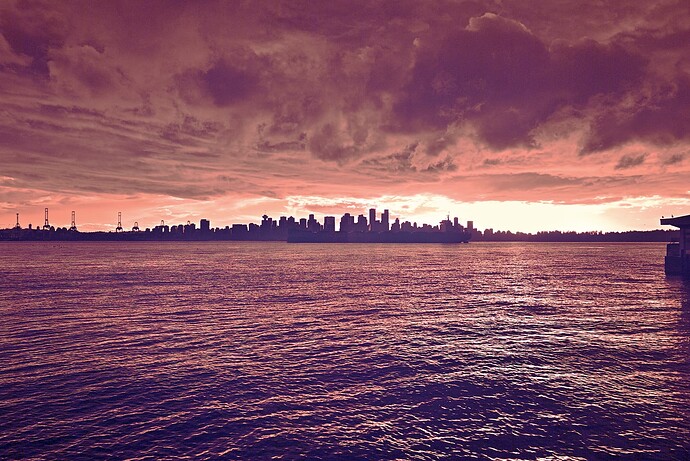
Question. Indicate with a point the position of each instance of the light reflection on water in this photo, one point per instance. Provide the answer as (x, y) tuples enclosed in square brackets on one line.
[(256, 351)]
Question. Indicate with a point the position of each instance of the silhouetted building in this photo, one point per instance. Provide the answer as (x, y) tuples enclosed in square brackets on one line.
[(239, 231), (361, 225), (372, 219), (347, 223), (284, 229), (384, 221), (677, 260)]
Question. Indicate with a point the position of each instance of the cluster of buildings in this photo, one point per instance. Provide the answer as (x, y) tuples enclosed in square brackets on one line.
[(361, 228)]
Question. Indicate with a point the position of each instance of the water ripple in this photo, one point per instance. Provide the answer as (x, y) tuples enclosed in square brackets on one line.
[(277, 351)]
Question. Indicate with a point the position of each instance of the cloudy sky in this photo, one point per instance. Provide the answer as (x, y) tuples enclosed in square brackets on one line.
[(546, 114)]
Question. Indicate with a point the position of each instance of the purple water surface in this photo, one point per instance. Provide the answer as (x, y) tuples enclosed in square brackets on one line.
[(278, 351)]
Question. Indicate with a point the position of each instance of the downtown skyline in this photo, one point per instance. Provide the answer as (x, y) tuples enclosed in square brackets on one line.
[(553, 115)]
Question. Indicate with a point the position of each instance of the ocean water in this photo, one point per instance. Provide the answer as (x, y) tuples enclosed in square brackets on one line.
[(260, 351)]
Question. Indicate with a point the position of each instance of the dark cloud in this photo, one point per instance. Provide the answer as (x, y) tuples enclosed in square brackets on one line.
[(397, 162), (503, 79), (330, 143), (674, 159), (190, 131), (287, 146), (587, 68), (33, 29), (630, 161), (227, 84), (223, 83), (662, 118), (476, 74)]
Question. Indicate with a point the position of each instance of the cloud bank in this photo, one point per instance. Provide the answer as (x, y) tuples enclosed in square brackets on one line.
[(561, 102)]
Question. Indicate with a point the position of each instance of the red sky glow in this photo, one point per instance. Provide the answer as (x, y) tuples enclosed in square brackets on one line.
[(528, 116)]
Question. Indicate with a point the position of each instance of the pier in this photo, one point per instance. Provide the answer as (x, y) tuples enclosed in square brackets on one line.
[(677, 260)]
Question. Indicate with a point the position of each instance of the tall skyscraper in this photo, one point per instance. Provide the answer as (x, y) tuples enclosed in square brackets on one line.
[(372, 219)]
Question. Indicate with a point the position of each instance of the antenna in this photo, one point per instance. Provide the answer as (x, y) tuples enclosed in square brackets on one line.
[(46, 226), (17, 226), (119, 222), (73, 227)]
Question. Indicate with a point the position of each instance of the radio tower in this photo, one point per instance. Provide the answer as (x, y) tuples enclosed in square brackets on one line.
[(17, 226), (119, 222), (73, 227), (46, 226)]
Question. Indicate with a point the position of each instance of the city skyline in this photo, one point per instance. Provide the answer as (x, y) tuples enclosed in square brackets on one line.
[(370, 221), (569, 115), (369, 227)]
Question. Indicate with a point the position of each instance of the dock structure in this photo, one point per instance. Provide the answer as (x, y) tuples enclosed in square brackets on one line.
[(677, 261)]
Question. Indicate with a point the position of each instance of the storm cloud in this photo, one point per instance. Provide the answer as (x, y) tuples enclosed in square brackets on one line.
[(473, 100)]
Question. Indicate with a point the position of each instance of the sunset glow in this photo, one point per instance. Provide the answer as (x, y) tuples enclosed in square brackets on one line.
[(521, 116)]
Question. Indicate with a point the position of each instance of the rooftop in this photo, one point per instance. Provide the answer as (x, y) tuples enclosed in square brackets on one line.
[(678, 221)]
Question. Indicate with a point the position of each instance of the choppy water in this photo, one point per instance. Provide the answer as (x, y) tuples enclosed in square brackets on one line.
[(279, 351)]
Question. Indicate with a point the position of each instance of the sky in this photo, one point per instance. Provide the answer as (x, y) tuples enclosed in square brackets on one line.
[(528, 116)]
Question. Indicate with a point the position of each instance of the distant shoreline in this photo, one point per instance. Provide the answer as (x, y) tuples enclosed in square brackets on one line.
[(39, 235)]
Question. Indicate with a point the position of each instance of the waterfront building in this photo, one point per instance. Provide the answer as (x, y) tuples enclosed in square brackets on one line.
[(677, 260)]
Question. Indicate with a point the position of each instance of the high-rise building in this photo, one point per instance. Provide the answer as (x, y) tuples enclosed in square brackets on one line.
[(347, 223), (361, 223), (313, 224), (372, 219), (384, 220), (205, 225), (329, 223)]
